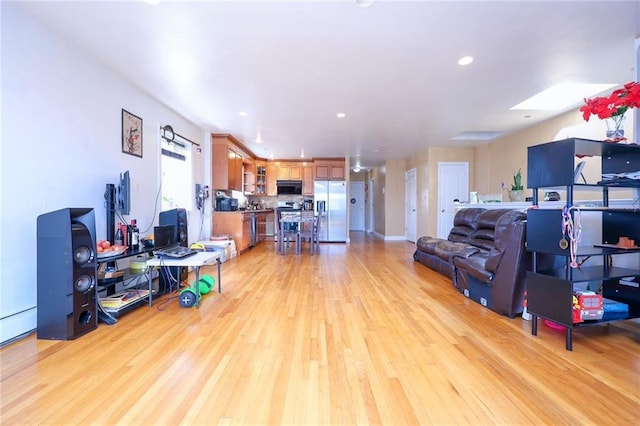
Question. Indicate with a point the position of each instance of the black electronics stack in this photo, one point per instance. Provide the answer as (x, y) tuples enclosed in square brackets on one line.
[(178, 219)]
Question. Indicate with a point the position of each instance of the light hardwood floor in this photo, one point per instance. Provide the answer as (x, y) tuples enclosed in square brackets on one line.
[(359, 334)]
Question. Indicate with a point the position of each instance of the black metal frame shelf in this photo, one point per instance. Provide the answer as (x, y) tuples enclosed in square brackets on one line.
[(550, 290), (108, 285)]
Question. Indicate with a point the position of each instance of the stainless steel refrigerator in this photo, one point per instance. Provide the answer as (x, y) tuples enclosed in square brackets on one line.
[(330, 198)]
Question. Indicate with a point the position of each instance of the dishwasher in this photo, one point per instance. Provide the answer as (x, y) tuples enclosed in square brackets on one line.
[(254, 229)]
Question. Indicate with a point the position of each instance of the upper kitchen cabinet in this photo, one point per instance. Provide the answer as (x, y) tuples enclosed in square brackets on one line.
[(261, 177), (307, 179), (272, 174), (227, 162), (249, 173), (329, 169), (289, 170)]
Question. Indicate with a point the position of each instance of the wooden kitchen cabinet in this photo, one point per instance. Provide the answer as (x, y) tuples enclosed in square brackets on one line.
[(226, 163), (307, 179), (234, 224), (263, 217), (246, 231), (289, 170), (235, 170), (249, 173), (272, 174), (261, 178), (329, 169), (295, 172)]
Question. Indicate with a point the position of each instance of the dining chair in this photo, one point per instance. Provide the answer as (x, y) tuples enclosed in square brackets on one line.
[(308, 231), (287, 231)]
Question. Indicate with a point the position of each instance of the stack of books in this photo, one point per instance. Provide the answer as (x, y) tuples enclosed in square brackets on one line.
[(120, 300)]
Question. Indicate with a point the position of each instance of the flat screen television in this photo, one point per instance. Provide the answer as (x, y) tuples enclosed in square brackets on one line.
[(123, 194)]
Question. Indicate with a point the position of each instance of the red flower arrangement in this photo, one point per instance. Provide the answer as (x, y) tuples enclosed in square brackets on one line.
[(613, 105)]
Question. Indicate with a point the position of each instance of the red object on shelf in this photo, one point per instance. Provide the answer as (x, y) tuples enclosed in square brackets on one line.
[(123, 228)]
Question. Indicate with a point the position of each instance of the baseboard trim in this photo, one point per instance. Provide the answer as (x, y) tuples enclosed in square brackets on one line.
[(395, 238)]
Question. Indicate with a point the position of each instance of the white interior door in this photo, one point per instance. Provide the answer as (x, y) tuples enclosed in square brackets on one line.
[(372, 193), (356, 206), (453, 184), (410, 197)]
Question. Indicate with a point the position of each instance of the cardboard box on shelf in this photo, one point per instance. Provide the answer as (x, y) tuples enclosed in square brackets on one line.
[(226, 246), (105, 272)]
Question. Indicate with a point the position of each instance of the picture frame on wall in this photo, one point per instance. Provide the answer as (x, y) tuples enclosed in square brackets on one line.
[(131, 134)]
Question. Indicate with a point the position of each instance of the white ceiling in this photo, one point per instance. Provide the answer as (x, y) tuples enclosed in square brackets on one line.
[(391, 67)]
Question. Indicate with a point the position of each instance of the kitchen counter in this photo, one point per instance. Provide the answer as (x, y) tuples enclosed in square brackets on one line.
[(257, 211), (247, 227), (245, 211)]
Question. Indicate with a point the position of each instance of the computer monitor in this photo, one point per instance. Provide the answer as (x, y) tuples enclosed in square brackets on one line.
[(123, 195)]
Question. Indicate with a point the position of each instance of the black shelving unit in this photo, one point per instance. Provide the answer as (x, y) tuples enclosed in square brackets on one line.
[(107, 286), (550, 290)]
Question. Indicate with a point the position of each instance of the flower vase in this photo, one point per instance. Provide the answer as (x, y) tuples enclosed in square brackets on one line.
[(516, 195), (615, 128)]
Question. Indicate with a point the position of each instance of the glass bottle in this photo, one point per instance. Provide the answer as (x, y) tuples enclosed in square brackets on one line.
[(119, 237), (135, 234)]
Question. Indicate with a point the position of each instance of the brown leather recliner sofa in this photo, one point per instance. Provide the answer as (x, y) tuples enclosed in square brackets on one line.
[(484, 255)]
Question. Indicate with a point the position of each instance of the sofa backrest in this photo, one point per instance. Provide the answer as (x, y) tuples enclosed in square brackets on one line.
[(509, 236), (485, 228), (464, 224)]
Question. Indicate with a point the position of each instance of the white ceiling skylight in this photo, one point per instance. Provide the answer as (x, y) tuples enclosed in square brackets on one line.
[(476, 136), (561, 96)]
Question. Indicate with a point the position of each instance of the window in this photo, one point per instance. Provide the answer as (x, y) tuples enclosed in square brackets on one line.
[(177, 175)]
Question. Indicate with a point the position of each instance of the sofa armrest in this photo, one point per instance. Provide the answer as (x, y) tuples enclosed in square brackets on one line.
[(465, 252), (474, 266), (509, 262)]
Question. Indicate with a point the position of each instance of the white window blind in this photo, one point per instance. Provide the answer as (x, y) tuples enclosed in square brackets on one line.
[(177, 175)]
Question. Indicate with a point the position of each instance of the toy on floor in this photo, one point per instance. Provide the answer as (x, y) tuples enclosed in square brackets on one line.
[(188, 296)]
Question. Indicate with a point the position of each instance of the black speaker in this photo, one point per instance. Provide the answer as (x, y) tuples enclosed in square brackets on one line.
[(178, 219), (67, 274)]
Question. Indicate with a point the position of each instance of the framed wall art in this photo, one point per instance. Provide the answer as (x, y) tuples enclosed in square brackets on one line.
[(131, 134)]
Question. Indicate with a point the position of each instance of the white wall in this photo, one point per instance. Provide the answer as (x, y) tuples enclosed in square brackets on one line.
[(61, 145)]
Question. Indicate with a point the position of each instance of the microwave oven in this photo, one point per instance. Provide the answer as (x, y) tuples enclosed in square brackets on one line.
[(226, 204), (289, 187)]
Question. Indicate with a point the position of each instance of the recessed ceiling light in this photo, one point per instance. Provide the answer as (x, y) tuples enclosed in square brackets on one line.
[(341, 115), (561, 96), (465, 60), (364, 3), (152, 2), (243, 114)]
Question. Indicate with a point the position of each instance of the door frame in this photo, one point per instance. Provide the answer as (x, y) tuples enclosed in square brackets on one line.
[(370, 195), (410, 212)]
